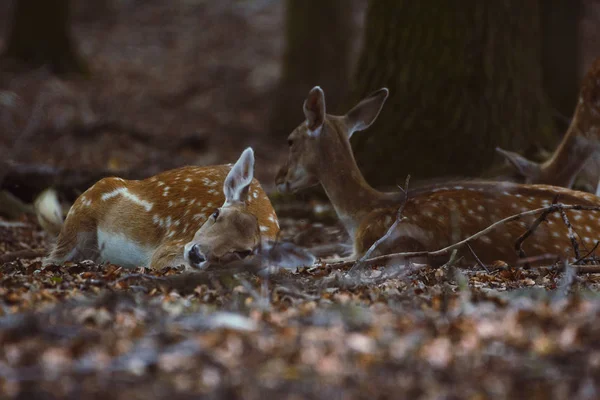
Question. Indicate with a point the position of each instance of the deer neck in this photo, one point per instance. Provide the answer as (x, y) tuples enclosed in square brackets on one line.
[(574, 151), (350, 194)]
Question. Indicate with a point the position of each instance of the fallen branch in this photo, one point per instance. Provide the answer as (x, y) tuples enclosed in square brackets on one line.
[(529, 232), (24, 254), (571, 234), (394, 257)]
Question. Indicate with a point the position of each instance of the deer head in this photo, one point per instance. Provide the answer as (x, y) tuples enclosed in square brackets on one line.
[(231, 232), (309, 141)]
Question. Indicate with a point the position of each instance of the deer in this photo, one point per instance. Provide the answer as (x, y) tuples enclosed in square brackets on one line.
[(178, 217), (577, 153), (432, 216)]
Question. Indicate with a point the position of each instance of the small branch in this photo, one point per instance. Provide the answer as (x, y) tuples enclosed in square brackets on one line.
[(530, 231), (571, 233), (481, 264), (389, 232), (534, 259), (587, 254)]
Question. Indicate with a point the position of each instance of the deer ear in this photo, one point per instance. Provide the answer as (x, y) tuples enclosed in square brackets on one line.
[(314, 110), (366, 112), (528, 169), (239, 178)]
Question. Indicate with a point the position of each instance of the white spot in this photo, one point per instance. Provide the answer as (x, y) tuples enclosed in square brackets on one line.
[(187, 180), (171, 233), (192, 201), (199, 216), (129, 196), (458, 187), (264, 228), (255, 195), (485, 239), (170, 203), (555, 234)]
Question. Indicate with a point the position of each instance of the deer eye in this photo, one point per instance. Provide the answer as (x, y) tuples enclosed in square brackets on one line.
[(215, 215), (290, 142), (243, 254)]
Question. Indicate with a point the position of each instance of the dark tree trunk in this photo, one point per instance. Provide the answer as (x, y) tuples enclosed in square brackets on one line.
[(464, 78), (561, 55), (40, 35), (318, 36)]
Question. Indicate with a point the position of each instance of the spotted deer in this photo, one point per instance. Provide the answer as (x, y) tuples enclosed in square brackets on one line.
[(177, 217), (433, 217), (577, 153)]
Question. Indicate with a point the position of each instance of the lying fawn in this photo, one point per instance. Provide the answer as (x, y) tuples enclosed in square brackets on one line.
[(172, 218), (578, 151), (434, 216)]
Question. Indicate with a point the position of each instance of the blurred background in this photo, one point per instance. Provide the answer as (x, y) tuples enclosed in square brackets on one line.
[(132, 87)]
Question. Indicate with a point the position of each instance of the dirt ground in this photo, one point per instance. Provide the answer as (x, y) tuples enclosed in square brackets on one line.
[(189, 82)]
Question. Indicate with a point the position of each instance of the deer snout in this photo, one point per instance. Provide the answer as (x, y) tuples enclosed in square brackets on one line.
[(281, 180), (194, 256)]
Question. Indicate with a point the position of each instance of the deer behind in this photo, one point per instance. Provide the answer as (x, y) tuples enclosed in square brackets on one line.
[(177, 217), (577, 154), (433, 217)]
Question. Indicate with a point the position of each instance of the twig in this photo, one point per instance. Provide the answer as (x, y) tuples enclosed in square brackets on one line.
[(481, 264), (395, 256), (389, 232), (571, 233), (529, 232), (588, 254), (533, 259), (25, 254)]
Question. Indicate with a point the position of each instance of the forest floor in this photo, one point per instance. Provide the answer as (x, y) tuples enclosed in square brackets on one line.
[(194, 84)]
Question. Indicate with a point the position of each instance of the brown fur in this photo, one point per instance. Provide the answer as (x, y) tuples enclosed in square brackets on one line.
[(434, 216), (579, 144), (193, 194)]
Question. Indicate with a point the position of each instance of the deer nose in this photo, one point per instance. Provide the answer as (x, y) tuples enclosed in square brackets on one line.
[(195, 255)]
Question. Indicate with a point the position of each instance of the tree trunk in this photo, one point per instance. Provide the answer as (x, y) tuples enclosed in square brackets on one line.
[(561, 55), (318, 36), (40, 35), (463, 79)]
